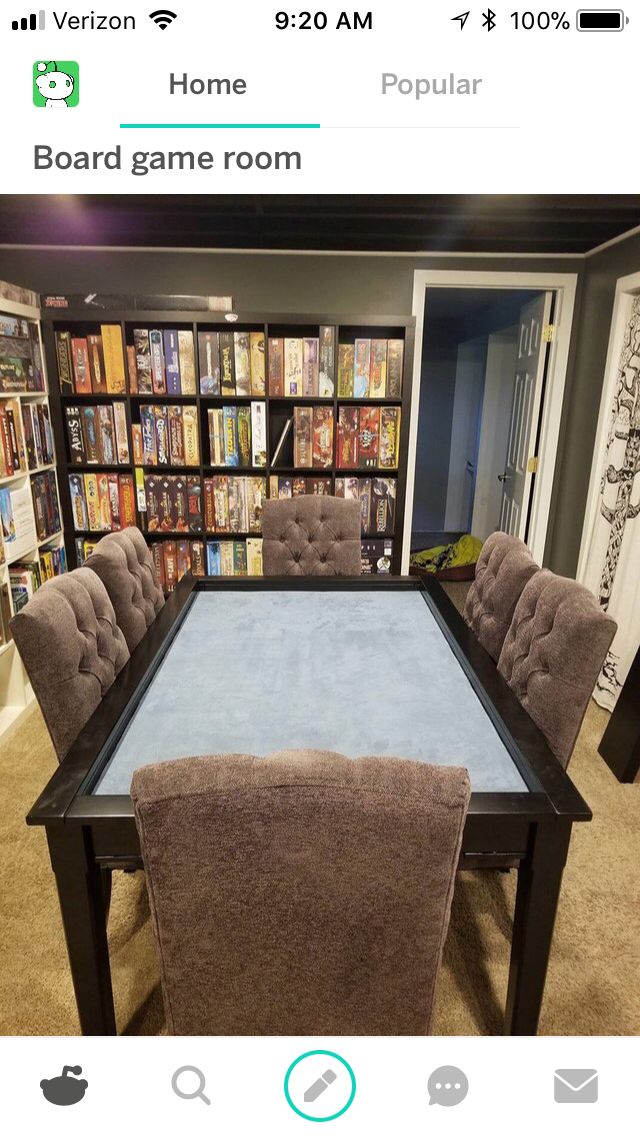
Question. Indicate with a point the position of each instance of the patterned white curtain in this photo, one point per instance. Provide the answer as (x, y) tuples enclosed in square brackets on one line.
[(613, 563)]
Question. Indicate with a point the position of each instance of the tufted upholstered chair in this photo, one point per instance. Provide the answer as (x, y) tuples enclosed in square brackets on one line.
[(504, 567), (299, 893), (311, 536), (553, 653), (124, 563), (72, 649)]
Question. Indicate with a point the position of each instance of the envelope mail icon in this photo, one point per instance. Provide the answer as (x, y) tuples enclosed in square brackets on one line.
[(575, 1086)]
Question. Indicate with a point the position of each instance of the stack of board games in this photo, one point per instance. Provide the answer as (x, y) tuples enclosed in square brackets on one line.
[(234, 557), (97, 434), (231, 363), (234, 504), (238, 435), (173, 504), (368, 437), (46, 507), (12, 453), (282, 487), (161, 362), (92, 364), (376, 556), (38, 435), (302, 367), (370, 368), (20, 356), (313, 437), (102, 502), (26, 578), (377, 497), (173, 559), (170, 435)]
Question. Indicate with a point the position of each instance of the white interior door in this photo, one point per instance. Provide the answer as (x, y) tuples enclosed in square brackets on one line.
[(516, 477), (467, 403), (494, 430)]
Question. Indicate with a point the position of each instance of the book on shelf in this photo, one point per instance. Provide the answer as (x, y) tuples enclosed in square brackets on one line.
[(346, 366), (293, 358), (169, 435), (18, 524), (244, 436), (20, 356), (282, 487), (173, 559), (234, 557), (227, 363), (92, 364), (13, 458), (46, 506), (310, 366), (322, 443), (302, 437), (389, 451), (38, 435), (276, 366), (370, 368), (242, 361), (376, 556), (377, 497), (258, 375), (232, 363), (233, 503), (368, 437), (25, 578), (209, 362), (97, 435), (102, 502), (326, 362)]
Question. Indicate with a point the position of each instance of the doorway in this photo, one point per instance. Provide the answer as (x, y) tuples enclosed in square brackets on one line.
[(489, 374)]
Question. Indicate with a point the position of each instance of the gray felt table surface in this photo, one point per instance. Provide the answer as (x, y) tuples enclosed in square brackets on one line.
[(358, 672)]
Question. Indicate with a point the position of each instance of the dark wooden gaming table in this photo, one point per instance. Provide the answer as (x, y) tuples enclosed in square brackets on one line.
[(523, 804)]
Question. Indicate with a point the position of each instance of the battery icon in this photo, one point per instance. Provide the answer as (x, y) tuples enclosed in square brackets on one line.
[(601, 20)]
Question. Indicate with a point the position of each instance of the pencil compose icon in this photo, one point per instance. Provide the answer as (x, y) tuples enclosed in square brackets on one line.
[(318, 1087)]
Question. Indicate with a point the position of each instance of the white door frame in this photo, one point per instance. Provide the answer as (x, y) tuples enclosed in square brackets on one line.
[(564, 284), (626, 288)]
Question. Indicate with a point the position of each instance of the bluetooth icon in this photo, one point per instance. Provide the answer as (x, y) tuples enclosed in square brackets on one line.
[(489, 20)]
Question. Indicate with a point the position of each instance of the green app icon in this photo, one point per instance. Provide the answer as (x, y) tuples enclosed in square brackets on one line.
[(56, 84)]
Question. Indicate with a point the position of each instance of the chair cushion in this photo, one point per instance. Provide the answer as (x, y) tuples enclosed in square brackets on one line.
[(299, 893), (72, 650), (311, 536), (553, 653), (504, 567), (124, 563)]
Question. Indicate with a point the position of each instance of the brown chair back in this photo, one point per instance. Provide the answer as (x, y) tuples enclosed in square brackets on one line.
[(311, 536), (72, 650), (553, 654), (125, 565), (300, 893), (504, 567)]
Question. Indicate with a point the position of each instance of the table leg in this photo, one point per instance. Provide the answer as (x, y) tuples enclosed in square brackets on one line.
[(83, 891), (539, 882)]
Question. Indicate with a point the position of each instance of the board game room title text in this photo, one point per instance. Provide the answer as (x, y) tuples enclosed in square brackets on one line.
[(142, 162)]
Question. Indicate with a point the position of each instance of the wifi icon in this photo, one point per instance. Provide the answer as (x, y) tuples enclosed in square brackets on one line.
[(163, 17)]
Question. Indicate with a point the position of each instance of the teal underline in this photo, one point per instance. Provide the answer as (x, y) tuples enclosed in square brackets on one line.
[(219, 125)]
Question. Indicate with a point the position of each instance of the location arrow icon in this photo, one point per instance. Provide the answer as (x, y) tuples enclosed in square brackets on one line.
[(463, 19)]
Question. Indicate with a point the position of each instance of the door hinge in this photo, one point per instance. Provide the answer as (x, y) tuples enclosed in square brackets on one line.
[(548, 333), (532, 465)]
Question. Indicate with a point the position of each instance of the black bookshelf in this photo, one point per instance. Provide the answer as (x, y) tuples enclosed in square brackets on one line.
[(83, 323)]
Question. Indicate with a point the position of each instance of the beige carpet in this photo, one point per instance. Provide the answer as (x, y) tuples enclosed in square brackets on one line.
[(592, 987)]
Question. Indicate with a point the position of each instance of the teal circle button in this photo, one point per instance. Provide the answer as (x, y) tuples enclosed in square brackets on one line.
[(320, 1085)]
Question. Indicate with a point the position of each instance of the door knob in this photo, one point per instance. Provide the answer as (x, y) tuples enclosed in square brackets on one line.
[(504, 477)]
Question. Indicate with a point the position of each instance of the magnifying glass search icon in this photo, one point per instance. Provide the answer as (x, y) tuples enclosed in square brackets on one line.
[(190, 1093)]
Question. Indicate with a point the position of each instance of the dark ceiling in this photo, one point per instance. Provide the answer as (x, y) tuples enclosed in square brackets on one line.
[(536, 224)]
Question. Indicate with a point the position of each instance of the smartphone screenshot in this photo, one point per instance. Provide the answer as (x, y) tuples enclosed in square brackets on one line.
[(319, 567)]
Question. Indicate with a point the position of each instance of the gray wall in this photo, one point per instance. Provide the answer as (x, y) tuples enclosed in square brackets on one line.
[(437, 390), (351, 285)]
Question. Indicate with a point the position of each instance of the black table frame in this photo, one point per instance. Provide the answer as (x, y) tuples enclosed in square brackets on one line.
[(90, 835)]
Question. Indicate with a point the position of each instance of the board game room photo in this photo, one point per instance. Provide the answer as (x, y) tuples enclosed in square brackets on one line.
[(319, 615)]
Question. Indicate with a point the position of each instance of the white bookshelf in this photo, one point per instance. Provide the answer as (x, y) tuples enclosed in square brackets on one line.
[(16, 695)]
